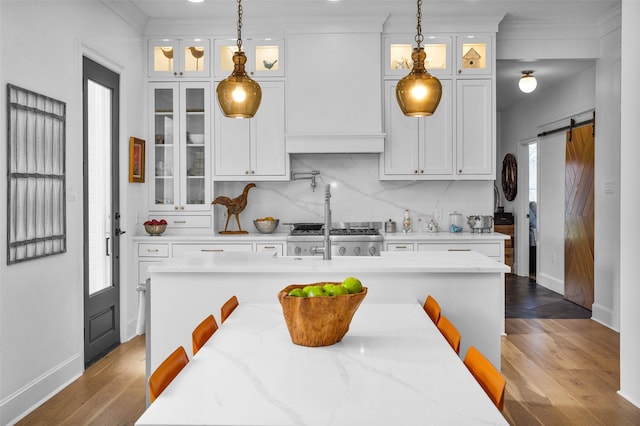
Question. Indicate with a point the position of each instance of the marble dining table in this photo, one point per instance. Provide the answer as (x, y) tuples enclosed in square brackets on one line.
[(393, 367)]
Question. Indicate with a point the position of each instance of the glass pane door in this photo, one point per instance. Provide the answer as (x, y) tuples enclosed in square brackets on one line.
[(164, 147), (196, 137)]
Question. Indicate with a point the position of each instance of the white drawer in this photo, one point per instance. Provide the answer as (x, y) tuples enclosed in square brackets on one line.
[(399, 247), (179, 250), (488, 249), (153, 250), (270, 248), (185, 221)]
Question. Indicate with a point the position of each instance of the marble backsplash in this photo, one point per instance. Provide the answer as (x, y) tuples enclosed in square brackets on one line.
[(356, 195)]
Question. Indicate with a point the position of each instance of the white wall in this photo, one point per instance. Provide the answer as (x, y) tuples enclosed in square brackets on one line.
[(41, 301), (629, 205)]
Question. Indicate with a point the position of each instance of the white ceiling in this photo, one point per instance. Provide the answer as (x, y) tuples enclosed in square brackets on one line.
[(548, 72)]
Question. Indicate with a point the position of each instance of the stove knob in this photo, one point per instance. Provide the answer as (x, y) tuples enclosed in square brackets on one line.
[(297, 251), (357, 250), (372, 251), (342, 251)]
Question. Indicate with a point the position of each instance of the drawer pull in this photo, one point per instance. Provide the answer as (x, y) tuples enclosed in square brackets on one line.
[(152, 250), (269, 248), (401, 247), (179, 221), (212, 250), (459, 250)]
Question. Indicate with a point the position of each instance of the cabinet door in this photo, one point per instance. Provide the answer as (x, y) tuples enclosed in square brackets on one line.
[(401, 143), (162, 61), (474, 129), (164, 154), (436, 140), (268, 154), (474, 55), (265, 57), (398, 50), (195, 102), (178, 58), (232, 155)]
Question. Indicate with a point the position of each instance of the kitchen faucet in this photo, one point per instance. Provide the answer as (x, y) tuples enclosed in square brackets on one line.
[(326, 249)]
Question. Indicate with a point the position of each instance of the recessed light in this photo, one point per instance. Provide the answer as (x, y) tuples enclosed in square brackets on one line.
[(196, 1)]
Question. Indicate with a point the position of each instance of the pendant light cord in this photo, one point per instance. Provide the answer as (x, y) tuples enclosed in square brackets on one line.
[(419, 36), (239, 42)]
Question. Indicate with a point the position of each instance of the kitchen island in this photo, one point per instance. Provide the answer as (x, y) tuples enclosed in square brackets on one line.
[(183, 291)]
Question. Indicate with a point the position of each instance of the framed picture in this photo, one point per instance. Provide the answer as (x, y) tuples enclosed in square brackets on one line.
[(136, 160)]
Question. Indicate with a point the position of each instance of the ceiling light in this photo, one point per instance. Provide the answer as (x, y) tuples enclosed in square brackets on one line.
[(196, 1), (418, 93), (528, 82), (238, 95)]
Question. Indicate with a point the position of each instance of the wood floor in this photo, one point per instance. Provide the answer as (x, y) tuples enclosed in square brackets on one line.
[(558, 372)]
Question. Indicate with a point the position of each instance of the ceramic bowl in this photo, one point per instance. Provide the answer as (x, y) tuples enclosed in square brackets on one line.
[(196, 138), (266, 226)]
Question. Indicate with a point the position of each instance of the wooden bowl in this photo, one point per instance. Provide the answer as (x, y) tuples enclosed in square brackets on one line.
[(318, 321)]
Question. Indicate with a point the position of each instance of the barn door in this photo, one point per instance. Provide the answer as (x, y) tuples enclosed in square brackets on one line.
[(579, 207)]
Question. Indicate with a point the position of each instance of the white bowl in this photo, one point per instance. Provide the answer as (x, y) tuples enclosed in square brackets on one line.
[(196, 138), (266, 226)]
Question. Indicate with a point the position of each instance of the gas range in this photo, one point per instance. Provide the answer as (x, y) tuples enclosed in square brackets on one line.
[(347, 239)]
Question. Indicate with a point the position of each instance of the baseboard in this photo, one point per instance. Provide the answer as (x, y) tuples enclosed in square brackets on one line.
[(26, 399), (628, 398), (605, 317), (551, 283)]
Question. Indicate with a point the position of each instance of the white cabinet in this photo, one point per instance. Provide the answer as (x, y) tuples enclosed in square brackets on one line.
[(253, 148), (269, 247), (418, 148), (179, 250), (265, 57), (178, 58), (474, 54), (178, 157), (399, 246), (398, 49), (475, 145)]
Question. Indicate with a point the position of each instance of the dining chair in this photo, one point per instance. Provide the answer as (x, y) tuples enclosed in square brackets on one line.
[(228, 307), (203, 332), (486, 375), (166, 372), (432, 308), (450, 332)]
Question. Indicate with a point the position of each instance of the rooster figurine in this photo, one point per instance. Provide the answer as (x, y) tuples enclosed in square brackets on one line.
[(234, 206)]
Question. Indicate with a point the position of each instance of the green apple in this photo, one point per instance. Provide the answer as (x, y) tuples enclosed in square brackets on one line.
[(316, 291), (306, 289), (297, 292), (329, 288), (339, 290), (353, 285)]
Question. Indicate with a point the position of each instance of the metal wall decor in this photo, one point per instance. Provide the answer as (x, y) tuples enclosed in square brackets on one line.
[(509, 177), (36, 209)]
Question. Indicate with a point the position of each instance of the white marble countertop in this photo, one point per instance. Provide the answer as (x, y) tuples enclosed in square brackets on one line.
[(425, 236), (429, 262), (392, 368), (212, 237)]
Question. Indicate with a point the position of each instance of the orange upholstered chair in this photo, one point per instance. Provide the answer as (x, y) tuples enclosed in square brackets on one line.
[(228, 307), (487, 376), (449, 332), (203, 332), (166, 372), (432, 308)]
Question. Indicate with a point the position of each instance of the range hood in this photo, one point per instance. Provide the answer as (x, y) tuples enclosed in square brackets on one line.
[(334, 143), (334, 90)]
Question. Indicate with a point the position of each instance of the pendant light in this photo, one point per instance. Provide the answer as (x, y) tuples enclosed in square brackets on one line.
[(528, 82), (418, 93), (238, 95)]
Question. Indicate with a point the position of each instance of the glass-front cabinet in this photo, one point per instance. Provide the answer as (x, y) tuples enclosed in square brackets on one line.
[(180, 125), (265, 57), (179, 58), (473, 54), (398, 51)]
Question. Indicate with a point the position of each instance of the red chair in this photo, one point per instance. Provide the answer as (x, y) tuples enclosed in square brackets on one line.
[(432, 308), (166, 372), (228, 307), (449, 332), (487, 376), (203, 332)]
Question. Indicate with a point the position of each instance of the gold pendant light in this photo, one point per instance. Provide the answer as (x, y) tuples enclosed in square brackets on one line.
[(238, 95), (418, 93)]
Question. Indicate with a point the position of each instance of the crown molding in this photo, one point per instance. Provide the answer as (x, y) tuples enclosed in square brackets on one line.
[(128, 12)]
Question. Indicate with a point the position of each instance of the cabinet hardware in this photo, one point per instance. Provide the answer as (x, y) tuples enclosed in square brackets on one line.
[(152, 250), (269, 248), (459, 250), (179, 221), (211, 250), (108, 246), (415, 172), (401, 247)]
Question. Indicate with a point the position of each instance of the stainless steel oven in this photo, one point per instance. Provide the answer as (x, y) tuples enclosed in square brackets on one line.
[(347, 239)]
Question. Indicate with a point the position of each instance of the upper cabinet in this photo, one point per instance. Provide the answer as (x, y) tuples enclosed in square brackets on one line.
[(179, 58), (474, 55), (398, 49), (254, 148), (180, 123), (265, 57), (476, 147)]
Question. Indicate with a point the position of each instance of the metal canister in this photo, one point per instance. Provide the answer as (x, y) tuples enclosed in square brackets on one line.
[(389, 227)]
